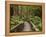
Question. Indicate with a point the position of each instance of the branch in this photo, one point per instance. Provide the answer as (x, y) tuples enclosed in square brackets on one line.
[(34, 26), (15, 26)]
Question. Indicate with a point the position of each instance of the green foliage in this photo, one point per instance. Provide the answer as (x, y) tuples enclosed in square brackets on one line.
[(28, 13), (36, 11), (19, 19), (37, 22)]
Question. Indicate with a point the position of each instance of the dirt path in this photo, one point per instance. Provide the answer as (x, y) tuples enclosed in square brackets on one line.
[(27, 26)]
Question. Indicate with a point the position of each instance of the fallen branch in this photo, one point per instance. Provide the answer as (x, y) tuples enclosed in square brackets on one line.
[(15, 26), (34, 26)]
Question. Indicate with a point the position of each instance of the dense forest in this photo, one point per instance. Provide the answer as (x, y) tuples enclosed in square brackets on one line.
[(23, 16)]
